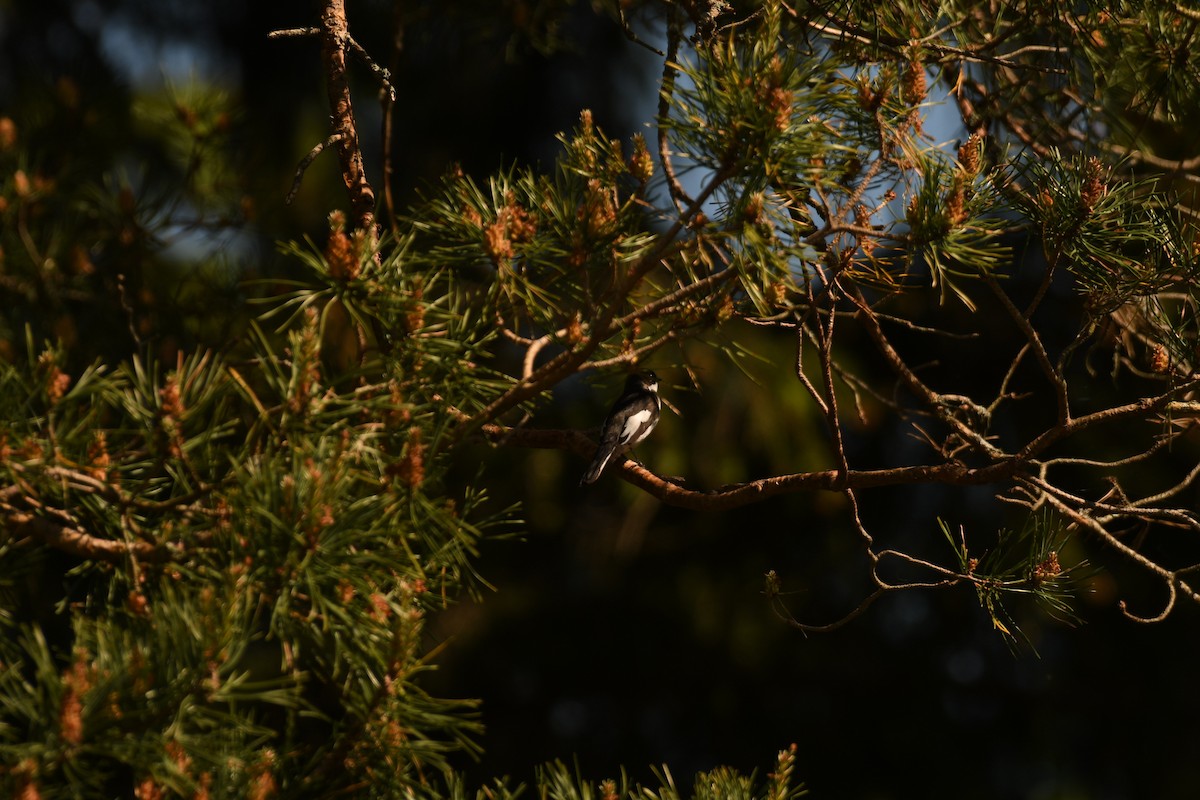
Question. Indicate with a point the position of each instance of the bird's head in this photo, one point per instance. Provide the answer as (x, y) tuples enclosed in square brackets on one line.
[(645, 380)]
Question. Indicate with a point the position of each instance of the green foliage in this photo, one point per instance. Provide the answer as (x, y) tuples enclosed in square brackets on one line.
[(772, 110), (1022, 563), (1131, 256), (547, 252), (954, 224), (1119, 238), (278, 544), (556, 782), (94, 246), (1139, 62)]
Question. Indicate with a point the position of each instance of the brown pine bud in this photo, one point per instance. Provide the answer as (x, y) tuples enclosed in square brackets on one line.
[(599, 211), (1160, 359), (412, 466), (8, 134), (956, 202), (969, 153), (778, 293), (641, 165), (753, 213), (339, 250), (148, 789), (1094, 187), (914, 86), (521, 224), (1048, 569), (575, 330), (496, 242)]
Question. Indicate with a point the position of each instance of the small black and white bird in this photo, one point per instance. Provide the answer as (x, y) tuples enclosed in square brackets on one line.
[(632, 418)]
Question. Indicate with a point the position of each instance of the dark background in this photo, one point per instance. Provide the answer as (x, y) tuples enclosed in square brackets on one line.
[(621, 633)]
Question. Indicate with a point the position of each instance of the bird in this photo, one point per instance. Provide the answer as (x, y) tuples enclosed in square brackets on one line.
[(631, 420)]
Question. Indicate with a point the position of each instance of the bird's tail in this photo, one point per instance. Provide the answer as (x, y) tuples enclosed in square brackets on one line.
[(598, 465)]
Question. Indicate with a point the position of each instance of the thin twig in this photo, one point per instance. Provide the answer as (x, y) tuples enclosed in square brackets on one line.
[(306, 162), (287, 32), (1053, 375), (633, 37), (389, 109), (678, 196)]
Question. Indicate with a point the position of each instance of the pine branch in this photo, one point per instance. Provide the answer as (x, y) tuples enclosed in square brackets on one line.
[(61, 535)]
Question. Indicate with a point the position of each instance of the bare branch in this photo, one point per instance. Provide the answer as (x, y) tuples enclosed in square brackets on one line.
[(335, 38), (678, 196), (293, 32), (1053, 375), (736, 495), (75, 541), (306, 162)]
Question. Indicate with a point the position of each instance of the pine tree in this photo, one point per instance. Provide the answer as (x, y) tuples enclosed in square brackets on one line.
[(223, 532)]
